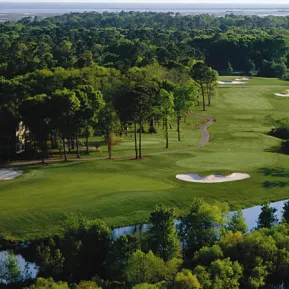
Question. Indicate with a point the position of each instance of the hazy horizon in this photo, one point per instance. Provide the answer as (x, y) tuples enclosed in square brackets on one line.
[(247, 2), (17, 9)]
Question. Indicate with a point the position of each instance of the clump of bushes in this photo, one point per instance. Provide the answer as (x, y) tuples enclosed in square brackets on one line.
[(280, 132), (280, 126), (152, 129), (285, 147), (142, 130)]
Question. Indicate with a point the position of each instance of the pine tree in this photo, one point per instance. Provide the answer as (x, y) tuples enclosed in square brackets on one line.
[(267, 217), (162, 236)]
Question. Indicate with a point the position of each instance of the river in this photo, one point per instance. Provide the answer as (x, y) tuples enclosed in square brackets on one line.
[(251, 215)]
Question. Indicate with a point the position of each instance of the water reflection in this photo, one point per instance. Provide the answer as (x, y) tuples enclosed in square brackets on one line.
[(250, 214), (28, 270)]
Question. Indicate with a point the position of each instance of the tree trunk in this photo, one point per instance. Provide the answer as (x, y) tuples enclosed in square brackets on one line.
[(209, 95), (167, 131), (135, 141), (178, 123), (54, 140), (108, 139), (64, 149), (51, 140), (77, 145), (86, 143), (72, 143), (140, 135), (203, 94), (69, 143), (43, 153), (151, 124)]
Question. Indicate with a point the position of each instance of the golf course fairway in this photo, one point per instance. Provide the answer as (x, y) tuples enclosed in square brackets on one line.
[(124, 191)]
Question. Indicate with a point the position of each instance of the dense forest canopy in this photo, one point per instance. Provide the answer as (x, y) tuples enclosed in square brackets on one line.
[(132, 39)]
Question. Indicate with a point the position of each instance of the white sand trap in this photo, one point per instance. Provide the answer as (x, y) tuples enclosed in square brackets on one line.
[(232, 82), (213, 178), (283, 94), (241, 79), (6, 175)]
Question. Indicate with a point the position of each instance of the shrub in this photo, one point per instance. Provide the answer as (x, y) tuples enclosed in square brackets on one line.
[(280, 132), (285, 147), (143, 130), (152, 129)]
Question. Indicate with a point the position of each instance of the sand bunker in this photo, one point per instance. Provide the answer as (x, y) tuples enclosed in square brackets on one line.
[(241, 79), (213, 178), (232, 82), (283, 94), (6, 175)]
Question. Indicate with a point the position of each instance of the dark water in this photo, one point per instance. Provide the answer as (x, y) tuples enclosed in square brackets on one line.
[(18, 10), (250, 214)]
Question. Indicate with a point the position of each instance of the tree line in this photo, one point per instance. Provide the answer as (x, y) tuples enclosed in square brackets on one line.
[(206, 248), (59, 105), (128, 39)]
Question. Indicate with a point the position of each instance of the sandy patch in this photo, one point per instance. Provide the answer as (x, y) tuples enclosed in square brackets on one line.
[(242, 79), (231, 82), (283, 94), (213, 178), (6, 175)]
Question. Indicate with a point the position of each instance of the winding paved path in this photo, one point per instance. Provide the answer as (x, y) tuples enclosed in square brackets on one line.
[(203, 141), (205, 134)]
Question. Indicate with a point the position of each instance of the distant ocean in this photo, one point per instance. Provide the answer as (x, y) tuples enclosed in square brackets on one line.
[(18, 10)]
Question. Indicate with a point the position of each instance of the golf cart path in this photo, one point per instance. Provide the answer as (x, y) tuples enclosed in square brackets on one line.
[(203, 141)]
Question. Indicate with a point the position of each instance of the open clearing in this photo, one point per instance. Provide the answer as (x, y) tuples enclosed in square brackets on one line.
[(123, 192)]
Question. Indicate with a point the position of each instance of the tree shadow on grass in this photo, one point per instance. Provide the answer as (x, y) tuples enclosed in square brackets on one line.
[(275, 172), (275, 184), (274, 149)]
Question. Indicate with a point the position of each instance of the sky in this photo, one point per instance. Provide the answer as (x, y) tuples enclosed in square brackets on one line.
[(254, 2)]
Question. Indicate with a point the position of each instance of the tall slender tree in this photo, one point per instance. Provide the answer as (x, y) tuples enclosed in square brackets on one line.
[(91, 102), (64, 105), (109, 120), (184, 101), (166, 102), (162, 236), (206, 78), (267, 217), (36, 115)]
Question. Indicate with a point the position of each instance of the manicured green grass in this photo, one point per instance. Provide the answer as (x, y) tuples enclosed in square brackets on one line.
[(190, 136), (151, 142), (123, 192)]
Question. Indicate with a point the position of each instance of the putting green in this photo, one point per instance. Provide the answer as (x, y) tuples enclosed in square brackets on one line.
[(245, 134), (227, 161)]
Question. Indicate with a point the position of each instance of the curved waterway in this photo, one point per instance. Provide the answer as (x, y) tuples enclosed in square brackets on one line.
[(30, 270), (250, 214)]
